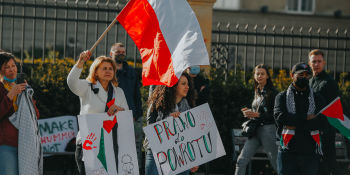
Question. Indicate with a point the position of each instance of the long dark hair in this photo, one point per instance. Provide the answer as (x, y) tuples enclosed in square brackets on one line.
[(163, 98), (269, 85)]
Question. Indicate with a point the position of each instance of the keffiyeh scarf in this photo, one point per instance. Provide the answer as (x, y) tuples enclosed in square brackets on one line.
[(288, 134), (30, 155)]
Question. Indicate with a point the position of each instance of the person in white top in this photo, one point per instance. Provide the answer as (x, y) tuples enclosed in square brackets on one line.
[(93, 92)]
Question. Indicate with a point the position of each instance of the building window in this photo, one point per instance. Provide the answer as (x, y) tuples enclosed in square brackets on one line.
[(227, 4), (301, 6)]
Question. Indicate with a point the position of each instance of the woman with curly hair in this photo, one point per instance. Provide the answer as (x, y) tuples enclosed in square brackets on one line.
[(168, 101)]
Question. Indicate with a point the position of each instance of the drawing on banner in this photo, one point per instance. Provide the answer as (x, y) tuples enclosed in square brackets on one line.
[(128, 166), (181, 143), (98, 152), (89, 142)]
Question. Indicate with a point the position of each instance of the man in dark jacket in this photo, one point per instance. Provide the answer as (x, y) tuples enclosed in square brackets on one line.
[(129, 82), (298, 125), (325, 85), (201, 85)]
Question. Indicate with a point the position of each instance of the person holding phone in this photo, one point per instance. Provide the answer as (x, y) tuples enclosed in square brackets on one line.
[(9, 91), (262, 113)]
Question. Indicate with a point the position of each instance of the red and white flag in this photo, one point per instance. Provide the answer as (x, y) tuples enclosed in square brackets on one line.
[(168, 36)]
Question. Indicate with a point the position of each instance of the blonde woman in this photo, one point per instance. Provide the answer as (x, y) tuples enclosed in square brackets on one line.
[(94, 92)]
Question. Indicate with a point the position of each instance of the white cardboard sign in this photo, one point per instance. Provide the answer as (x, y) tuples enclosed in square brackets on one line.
[(179, 144), (57, 132), (97, 142)]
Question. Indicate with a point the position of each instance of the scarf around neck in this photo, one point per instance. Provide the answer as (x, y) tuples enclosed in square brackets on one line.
[(288, 134)]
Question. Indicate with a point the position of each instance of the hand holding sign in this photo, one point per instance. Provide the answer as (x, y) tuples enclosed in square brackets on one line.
[(184, 142)]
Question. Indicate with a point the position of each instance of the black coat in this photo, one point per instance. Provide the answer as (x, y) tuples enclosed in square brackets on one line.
[(327, 87), (129, 82), (302, 143), (263, 103)]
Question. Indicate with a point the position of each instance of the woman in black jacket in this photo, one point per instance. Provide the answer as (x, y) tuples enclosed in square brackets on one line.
[(261, 115)]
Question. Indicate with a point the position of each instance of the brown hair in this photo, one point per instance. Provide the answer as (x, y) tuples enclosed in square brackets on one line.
[(5, 57), (268, 81), (163, 97), (116, 45), (94, 66), (316, 52), (269, 85)]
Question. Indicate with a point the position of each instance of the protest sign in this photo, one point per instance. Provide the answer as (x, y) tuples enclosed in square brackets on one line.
[(57, 132), (179, 144), (97, 142)]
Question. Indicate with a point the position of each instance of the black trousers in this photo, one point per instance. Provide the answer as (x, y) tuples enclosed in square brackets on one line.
[(78, 159), (328, 162)]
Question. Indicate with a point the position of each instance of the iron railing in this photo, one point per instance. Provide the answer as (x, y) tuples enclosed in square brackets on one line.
[(58, 29), (242, 46)]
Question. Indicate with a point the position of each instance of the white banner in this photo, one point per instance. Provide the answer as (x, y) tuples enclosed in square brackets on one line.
[(97, 142), (57, 132), (179, 144)]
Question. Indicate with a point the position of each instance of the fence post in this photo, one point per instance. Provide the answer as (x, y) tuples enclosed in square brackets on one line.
[(245, 50), (282, 51), (236, 53), (335, 54), (273, 47)]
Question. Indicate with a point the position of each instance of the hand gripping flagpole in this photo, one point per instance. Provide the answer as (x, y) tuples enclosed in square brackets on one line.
[(103, 35)]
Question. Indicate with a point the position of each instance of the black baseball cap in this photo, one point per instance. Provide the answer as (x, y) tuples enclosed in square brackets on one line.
[(301, 67)]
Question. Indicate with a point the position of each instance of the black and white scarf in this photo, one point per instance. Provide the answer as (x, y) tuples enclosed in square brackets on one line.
[(30, 154), (290, 102)]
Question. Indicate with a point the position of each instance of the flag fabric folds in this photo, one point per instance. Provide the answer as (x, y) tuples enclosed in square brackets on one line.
[(336, 117), (168, 37)]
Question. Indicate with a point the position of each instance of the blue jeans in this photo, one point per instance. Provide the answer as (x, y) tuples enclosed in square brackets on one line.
[(8, 160), (293, 164), (151, 168), (265, 137)]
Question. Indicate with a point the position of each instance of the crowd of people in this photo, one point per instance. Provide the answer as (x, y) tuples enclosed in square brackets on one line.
[(296, 139)]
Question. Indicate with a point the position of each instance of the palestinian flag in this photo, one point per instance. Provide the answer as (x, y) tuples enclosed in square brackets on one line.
[(287, 135), (336, 117), (316, 136)]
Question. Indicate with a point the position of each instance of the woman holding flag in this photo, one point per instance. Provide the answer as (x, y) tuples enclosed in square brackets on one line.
[(99, 88), (168, 101)]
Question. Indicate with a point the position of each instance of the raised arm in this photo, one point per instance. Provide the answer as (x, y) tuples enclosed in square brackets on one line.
[(76, 85)]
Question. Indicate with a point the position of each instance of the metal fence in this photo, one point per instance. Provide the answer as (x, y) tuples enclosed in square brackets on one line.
[(55, 29), (242, 46), (60, 28)]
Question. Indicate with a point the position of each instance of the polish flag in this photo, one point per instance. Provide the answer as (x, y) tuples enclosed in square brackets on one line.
[(336, 117), (168, 37)]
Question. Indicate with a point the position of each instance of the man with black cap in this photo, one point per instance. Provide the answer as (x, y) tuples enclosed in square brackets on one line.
[(298, 125), (326, 86), (128, 80)]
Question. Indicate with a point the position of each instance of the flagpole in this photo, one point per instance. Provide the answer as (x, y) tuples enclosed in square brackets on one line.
[(328, 105), (103, 35)]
